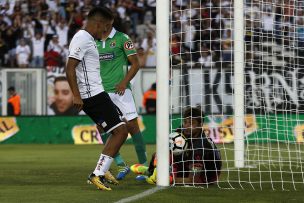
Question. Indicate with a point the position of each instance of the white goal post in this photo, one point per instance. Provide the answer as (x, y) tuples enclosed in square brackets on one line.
[(239, 120), (162, 81), (242, 63)]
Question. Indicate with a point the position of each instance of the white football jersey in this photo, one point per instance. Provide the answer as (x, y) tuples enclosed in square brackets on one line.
[(84, 49)]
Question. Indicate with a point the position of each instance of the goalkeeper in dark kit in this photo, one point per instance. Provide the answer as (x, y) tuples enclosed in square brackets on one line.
[(199, 164)]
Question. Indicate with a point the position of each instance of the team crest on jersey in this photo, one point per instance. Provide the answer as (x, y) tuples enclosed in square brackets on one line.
[(113, 44), (129, 45)]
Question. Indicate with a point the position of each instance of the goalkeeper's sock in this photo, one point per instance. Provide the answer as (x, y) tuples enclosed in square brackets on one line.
[(140, 148), (117, 158)]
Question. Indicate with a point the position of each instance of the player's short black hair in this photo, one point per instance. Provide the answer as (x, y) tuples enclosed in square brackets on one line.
[(103, 12), (60, 78), (194, 113)]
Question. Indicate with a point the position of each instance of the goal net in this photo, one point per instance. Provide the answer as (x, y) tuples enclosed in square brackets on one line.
[(202, 52)]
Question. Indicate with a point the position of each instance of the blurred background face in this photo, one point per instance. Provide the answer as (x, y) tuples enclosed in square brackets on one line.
[(191, 127), (55, 39), (150, 35), (38, 35), (22, 42), (62, 23), (63, 96), (11, 93)]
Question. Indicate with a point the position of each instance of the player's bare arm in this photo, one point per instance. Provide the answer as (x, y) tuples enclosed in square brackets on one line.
[(121, 87), (71, 76)]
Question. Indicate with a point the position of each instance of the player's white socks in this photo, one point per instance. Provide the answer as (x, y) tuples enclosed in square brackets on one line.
[(103, 165)]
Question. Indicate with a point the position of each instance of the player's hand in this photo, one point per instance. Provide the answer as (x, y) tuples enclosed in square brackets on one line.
[(78, 103), (121, 88)]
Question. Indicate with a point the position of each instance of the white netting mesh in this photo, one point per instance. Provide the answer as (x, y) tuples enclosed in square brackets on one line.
[(202, 61)]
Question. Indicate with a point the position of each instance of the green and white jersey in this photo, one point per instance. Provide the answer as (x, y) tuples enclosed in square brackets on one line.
[(113, 58)]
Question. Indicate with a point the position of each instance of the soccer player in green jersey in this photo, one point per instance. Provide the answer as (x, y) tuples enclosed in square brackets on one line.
[(116, 52)]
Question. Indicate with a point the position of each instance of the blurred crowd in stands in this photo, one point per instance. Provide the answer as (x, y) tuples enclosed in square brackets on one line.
[(36, 33), (205, 30)]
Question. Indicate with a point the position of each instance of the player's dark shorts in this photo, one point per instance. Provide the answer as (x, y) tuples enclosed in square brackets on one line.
[(103, 111)]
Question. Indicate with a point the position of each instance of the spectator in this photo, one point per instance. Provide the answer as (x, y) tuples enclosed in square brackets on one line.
[(176, 49), (28, 29), (52, 4), (300, 33), (13, 105), (54, 45), (3, 51), (11, 36), (175, 45), (149, 100), (206, 59), (62, 32), (149, 44), (300, 39), (140, 10), (142, 56), (189, 34), (23, 53), (65, 53), (268, 23), (151, 6), (227, 51), (121, 9), (181, 4), (134, 9), (52, 58), (49, 26), (38, 47)]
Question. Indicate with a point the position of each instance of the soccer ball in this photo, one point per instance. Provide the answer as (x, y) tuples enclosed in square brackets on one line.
[(177, 143)]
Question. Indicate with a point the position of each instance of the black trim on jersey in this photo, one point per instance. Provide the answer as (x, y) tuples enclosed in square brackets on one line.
[(86, 78), (73, 57)]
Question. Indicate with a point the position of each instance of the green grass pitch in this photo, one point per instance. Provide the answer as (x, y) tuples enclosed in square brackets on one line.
[(57, 173)]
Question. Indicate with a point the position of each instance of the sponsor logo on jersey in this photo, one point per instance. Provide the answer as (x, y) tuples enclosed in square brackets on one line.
[(113, 44), (129, 45), (106, 56)]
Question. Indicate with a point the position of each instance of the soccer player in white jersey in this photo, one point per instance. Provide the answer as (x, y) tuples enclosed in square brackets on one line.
[(83, 74)]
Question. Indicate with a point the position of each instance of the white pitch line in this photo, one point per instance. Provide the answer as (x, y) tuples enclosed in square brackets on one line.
[(141, 195), (157, 188)]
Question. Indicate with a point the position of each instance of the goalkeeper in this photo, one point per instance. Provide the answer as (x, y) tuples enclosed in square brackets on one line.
[(116, 52), (199, 164)]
